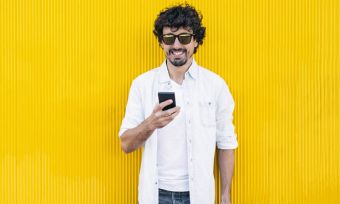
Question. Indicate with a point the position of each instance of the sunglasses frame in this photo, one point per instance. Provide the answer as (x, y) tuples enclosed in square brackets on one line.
[(178, 37)]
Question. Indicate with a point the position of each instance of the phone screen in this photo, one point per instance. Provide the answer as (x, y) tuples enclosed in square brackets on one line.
[(163, 96)]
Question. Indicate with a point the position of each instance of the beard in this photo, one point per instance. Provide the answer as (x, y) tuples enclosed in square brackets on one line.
[(177, 61)]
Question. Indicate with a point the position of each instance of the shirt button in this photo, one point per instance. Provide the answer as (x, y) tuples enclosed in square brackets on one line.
[(156, 183)]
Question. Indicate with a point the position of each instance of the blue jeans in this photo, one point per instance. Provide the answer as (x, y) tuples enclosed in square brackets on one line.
[(170, 197)]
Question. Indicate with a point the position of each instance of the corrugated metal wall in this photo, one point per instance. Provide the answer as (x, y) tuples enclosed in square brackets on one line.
[(66, 67)]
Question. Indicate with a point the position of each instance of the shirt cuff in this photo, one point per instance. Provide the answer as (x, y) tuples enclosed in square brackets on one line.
[(230, 142)]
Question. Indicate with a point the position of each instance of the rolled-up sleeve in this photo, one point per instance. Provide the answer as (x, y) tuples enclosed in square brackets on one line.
[(225, 134), (134, 113)]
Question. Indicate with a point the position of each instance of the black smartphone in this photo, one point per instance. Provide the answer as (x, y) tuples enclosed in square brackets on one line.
[(163, 96)]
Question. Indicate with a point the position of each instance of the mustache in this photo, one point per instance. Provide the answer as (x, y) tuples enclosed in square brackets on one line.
[(174, 50)]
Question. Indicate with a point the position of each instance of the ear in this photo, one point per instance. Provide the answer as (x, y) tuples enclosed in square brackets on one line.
[(195, 43)]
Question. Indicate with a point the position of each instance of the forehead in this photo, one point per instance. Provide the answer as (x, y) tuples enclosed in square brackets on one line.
[(173, 30)]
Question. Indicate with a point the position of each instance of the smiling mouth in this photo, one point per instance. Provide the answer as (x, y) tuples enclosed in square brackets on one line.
[(177, 53)]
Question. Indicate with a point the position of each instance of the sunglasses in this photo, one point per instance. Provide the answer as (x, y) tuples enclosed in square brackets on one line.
[(184, 38)]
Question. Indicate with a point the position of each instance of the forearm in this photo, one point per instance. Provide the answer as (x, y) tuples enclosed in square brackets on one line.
[(226, 164), (134, 138)]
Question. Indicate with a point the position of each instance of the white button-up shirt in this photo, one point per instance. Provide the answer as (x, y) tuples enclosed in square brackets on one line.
[(209, 114)]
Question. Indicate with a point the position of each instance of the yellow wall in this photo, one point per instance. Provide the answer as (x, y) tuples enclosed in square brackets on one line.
[(66, 67)]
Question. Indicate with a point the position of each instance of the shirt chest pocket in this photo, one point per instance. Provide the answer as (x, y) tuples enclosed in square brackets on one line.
[(207, 110)]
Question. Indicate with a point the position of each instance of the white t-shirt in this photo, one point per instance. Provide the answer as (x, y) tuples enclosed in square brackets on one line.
[(172, 158)]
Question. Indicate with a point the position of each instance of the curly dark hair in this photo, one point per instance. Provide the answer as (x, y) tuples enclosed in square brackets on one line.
[(182, 15)]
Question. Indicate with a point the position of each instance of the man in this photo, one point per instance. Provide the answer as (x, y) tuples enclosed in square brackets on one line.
[(179, 143)]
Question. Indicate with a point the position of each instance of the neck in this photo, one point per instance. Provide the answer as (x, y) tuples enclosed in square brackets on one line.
[(177, 73)]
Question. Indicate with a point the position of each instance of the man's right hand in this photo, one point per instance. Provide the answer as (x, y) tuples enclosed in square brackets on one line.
[(134, 138), (160, 118)]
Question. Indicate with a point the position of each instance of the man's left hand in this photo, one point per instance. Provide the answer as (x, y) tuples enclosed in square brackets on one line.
[(226, 199)]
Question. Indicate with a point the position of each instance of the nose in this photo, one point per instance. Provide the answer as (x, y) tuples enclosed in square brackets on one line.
[(177, 44)]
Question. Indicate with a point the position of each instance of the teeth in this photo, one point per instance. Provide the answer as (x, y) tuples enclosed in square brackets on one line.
[(177, 52)]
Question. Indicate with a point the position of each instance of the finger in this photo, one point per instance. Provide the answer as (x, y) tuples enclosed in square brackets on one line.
[(163, 104), (167, 113), (170, 111), (170, 116), (174, 110), (168, 119), (173, 116)]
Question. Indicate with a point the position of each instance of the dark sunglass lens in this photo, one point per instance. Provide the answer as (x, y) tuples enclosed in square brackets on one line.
[(184, 39), (169, 40)]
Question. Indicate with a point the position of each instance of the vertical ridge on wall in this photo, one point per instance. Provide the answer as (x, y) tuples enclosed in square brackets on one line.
[(65, 72)]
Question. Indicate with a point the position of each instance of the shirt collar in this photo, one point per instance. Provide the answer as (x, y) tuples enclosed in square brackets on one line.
[(192, 71)]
